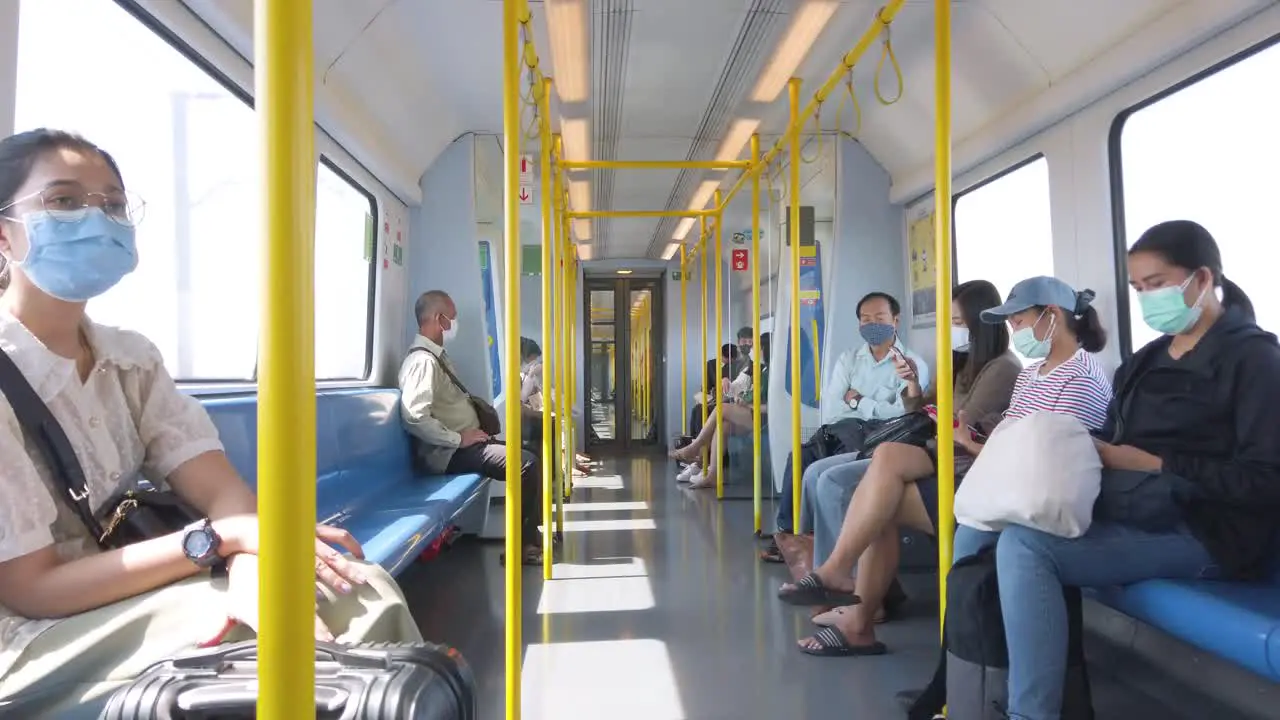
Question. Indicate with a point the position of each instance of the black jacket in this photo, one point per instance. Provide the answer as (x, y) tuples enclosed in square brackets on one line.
[(1211, 417)]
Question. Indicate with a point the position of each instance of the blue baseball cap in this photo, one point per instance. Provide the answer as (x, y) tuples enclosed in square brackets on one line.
[(1037, 292)]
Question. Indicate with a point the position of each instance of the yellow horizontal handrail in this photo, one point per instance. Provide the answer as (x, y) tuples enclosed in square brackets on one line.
[(654, 164), (582, 214), (883, 18)]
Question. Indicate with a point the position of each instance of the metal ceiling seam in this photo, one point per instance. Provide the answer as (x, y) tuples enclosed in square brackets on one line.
[(611, 30), (760, 21)]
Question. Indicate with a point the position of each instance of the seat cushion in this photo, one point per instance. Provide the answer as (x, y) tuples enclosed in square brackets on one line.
[(1235, 621)]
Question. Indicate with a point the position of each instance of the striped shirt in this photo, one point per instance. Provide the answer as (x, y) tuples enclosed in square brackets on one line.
[(1078, 387)]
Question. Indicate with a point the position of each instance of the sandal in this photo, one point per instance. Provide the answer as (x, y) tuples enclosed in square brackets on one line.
[(772, 553), (532, 556), (809, 590), (832, 643)]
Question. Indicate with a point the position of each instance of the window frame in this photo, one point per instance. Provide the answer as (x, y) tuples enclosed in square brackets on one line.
[(372, 296), (1115, 171), (248, 386), (955, 204)]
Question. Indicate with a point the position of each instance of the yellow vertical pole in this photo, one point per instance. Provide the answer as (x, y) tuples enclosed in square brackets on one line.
[(942, 282), (573, 362), (286, 363), (548, 298), (718, 449), (756, 382), (511, 130), (793, 129), (561, 229), (702, 279), (684, 341)]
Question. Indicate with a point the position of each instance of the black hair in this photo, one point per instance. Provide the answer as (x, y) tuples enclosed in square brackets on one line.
[(745, 333), (764, 347), (18, 155), (987, 341), (1083, 322), (1189, 245), (894, 306), (529, 348), (729, 350)]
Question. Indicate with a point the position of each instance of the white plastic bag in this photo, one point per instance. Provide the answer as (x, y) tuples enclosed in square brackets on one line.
[(1041, 471)]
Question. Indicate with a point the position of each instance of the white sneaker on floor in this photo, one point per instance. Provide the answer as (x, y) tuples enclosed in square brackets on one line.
[(687, 473), (700, 481)]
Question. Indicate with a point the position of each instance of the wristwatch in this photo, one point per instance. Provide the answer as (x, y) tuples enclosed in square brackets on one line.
[(853, 404), (201, 543)]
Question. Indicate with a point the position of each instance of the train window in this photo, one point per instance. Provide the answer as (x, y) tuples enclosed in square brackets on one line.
[(1004, 232), (1201, 153), (344, 293), (188, 147)]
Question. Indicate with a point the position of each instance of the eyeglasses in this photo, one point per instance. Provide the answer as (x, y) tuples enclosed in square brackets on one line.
[(70, 204)]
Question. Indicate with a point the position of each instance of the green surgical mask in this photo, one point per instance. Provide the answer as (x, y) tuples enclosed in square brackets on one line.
[(1165, 310), (1025, 342)]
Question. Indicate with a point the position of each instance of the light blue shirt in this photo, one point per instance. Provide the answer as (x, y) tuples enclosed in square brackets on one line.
[(877, 382)]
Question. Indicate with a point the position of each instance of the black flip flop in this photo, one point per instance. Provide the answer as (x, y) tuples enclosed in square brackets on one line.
[(833, 644), (810, 591)]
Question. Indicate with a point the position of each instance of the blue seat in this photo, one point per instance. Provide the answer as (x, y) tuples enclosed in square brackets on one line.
[(365, 481), (1236, 621)]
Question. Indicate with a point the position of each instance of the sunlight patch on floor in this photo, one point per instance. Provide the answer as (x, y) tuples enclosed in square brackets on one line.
[(613, 679)]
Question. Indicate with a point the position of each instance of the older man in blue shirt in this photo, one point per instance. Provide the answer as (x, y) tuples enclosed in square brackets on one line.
[(867, 385)]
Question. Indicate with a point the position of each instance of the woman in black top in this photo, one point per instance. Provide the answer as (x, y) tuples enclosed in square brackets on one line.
[(1193, 416)]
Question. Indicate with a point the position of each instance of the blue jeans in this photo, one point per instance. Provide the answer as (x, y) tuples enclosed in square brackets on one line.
[(833, 491), (808, 498), (1033, 566)]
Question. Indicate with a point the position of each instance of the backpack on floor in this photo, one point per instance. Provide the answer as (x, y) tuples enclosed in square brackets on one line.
[(972, 677)]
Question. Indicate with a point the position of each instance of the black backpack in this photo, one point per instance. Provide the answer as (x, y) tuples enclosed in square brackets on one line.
[(972, 677)]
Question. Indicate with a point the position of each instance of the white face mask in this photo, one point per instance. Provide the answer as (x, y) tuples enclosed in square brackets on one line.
[(452, 332), (959, 338)]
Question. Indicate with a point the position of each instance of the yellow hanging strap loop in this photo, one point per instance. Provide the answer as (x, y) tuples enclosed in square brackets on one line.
[(817, 135), (857, 110), (886, 52)]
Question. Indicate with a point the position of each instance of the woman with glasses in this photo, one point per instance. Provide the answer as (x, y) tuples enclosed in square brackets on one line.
[(77, 620)]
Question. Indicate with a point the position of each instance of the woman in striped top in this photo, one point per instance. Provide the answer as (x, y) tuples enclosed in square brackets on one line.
[(1050, 323)]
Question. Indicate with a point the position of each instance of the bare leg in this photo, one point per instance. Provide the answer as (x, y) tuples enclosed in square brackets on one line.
[(876, 570), (708, 478), (690, 452), (875, 504)]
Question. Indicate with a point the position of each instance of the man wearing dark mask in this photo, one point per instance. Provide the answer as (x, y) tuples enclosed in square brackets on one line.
[(870, 382), (867, 384)]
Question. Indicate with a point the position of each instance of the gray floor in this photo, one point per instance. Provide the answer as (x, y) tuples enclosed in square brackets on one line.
[(661, 611)]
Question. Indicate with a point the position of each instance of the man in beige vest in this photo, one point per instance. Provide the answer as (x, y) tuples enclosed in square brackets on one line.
[(436, 410)]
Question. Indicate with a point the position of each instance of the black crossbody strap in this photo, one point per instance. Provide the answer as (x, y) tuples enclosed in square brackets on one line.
[(41, 427), (445, 367)]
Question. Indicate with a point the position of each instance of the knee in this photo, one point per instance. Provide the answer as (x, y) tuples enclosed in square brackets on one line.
[(1020, 548)]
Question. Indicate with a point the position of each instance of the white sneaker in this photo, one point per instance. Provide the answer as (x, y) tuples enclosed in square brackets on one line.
[(687, 473), (700, 481)]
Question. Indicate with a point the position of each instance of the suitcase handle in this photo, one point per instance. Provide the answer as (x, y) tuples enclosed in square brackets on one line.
[(346, 656), (239, 696)]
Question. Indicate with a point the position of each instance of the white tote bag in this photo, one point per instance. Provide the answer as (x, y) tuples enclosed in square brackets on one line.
[(1041, 471)]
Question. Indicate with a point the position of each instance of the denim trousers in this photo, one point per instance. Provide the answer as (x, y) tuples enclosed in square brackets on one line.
[(1033, 566), (828, 489)]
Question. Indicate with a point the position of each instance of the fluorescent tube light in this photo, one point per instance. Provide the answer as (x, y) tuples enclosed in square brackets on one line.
[(805, 28), (670, 252), (734, 140), (682, 230), (567, 26)]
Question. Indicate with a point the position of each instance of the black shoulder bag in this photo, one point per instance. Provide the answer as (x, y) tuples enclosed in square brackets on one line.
[(133, 515), (490, 423), (914, 428)]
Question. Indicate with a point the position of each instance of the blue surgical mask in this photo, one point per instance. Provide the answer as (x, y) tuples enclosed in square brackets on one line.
[(1025, 342), (1165, 310), (77, 260), (877, 334)]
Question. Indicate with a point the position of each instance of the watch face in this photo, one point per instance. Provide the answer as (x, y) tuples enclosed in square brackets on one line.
[(197, 544)]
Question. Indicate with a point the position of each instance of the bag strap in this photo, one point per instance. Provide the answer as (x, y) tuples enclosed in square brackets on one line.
[(41, 427), (445, 367)]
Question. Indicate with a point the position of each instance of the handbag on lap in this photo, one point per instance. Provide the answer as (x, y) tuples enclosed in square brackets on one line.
[(1041, 471)]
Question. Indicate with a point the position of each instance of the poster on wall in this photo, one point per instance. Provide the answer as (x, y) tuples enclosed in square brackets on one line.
[(920, 249), (490, 318), (812, 328)]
